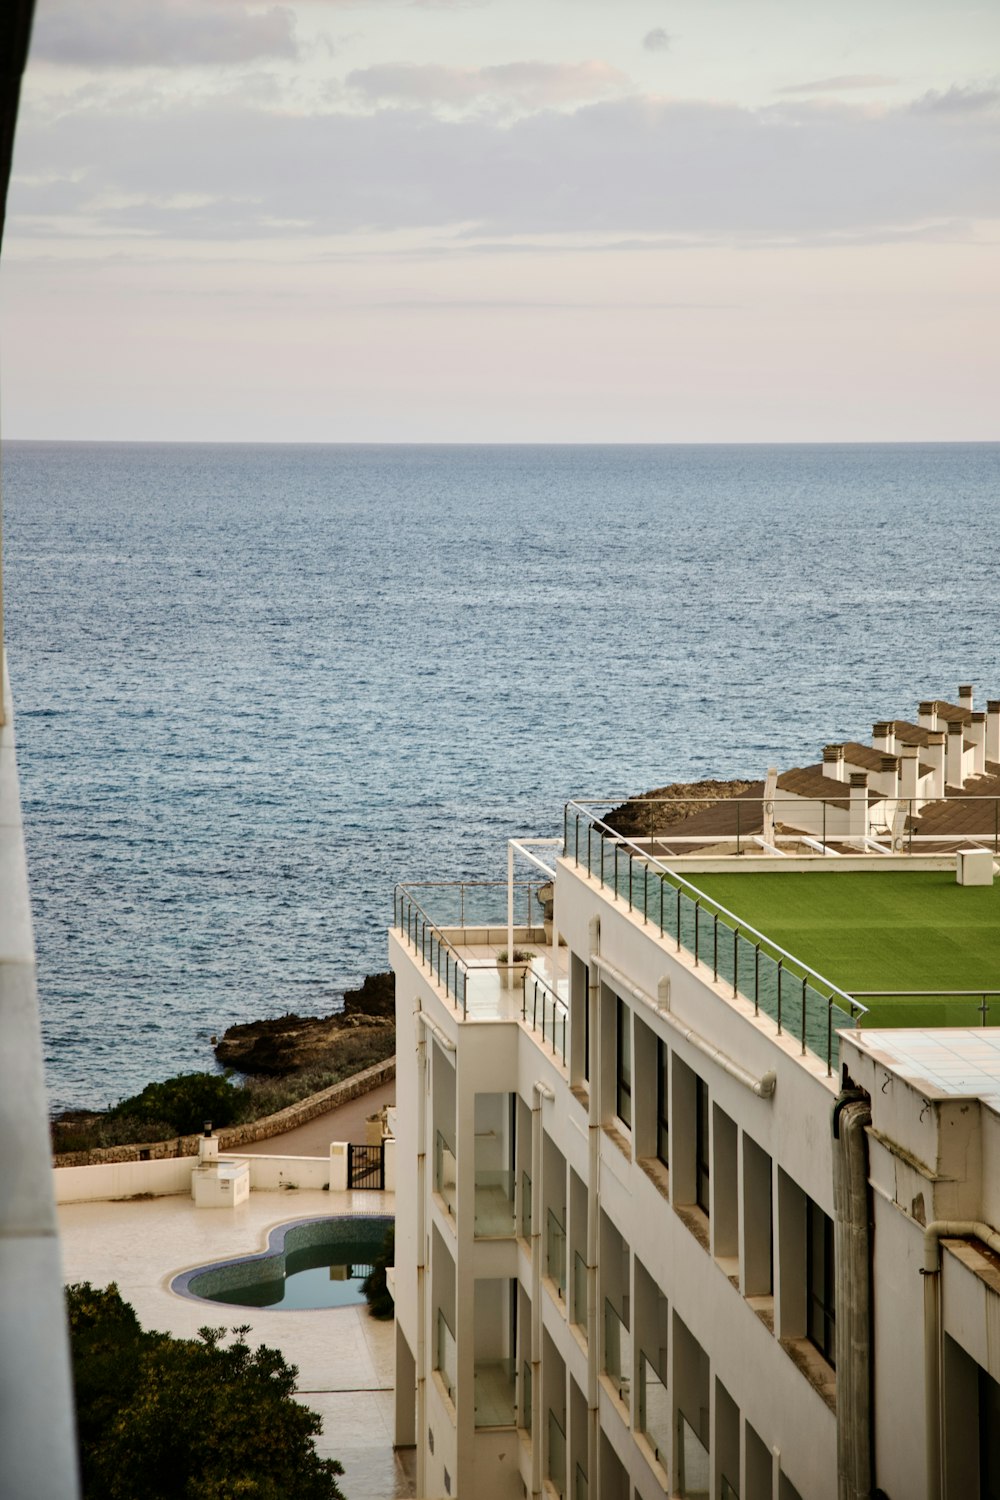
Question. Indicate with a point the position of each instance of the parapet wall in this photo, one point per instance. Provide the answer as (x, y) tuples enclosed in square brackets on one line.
[(235, 1136)]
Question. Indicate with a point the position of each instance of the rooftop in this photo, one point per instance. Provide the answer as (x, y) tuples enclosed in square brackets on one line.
[(957, 1063), (905, 931)]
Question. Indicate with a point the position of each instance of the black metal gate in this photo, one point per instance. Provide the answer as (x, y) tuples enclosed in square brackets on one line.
[(365, 1166)]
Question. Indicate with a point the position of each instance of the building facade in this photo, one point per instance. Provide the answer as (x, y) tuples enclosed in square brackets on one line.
[(673, 1216)]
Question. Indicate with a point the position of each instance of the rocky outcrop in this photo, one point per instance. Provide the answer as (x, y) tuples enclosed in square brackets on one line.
[(287, 1043), (648, 814)]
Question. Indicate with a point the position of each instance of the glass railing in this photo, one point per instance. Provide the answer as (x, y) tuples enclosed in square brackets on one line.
[(524, 1410), (494, 1204), (555, 1252), (579, 1312), (581, 1489), (525, 1210), (495, 1393), (931, 1008), (728, 1491), (447, 1358), (654, 1410), (693, 1467), (546, 1013), (426, 939), (617, 1352), (799, 1001), (444, 1172), (557, 1456)]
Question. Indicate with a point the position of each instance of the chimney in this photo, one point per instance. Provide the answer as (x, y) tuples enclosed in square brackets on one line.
[(927, 713), (953, 759), (977, 734), (993, 729), (934, 751), (884, 736), (833, 761), (887, 777), (965, 696), (208, 1146), (909, 772), (857, 816)]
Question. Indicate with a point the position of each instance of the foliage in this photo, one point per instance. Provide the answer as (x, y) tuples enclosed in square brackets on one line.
[(187, 1419), (375, 1285), (185, 1102)]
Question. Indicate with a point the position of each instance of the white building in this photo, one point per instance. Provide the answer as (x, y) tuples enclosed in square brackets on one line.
[(667, 1220)]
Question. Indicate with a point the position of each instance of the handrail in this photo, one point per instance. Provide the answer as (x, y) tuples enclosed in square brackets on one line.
[(558, 1004), (741, 927)]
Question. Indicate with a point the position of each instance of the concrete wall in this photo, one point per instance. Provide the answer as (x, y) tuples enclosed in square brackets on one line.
[(170, 1176), (234, 1136), (37, 1438)]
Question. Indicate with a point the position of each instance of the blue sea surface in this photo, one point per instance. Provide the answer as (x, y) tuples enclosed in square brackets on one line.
[(257, 685)]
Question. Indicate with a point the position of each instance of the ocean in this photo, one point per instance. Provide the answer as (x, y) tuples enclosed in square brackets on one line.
[(257, 685)]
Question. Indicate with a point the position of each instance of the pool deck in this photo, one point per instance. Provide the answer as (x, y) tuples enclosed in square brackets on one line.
[(344, 1356)]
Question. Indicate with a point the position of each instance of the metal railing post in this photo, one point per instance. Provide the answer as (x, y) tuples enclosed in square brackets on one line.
[(715, 948), (756, 979), (697, 924), (804, 988), (779, 996), (736, 963), (678, 919)]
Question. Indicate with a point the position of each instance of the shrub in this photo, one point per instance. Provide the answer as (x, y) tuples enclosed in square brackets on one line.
[(375, 1285), (184, 1102), (169, 1419)]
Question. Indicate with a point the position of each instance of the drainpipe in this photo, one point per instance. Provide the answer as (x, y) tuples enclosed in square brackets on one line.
[(855, 1468), (593, 1214), (934, 1233), (541, 1091), (423, 1023)]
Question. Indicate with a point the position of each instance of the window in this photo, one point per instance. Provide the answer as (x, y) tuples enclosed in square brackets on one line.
[(821, 1305), (662, 1102), (702, 1168), (623, 1104)]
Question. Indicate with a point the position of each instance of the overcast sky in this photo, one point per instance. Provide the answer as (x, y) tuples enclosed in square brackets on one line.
[(506, 220)]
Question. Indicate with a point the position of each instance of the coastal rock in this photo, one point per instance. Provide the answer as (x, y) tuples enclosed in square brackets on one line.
[(653, 811), (286, 1043)]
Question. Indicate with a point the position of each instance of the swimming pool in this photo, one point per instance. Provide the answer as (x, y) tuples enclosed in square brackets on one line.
[(308, 1263)]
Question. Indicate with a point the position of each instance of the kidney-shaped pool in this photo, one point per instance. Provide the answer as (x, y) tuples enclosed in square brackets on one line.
[(307, 1263)]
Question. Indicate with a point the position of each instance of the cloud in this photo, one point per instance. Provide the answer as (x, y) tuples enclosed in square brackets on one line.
[(960, 101), (126, 33), (636, 166), (841, 82), (656, 40), (532, 85)]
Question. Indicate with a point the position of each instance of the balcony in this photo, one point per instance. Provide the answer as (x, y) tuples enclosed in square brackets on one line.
[(446, 1356), (495, 1393), (654, 1410), (444, 1173), (555, 1253), (617, 1353), (494, 1205)]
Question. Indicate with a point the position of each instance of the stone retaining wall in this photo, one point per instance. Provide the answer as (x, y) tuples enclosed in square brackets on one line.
[(235, 1136)]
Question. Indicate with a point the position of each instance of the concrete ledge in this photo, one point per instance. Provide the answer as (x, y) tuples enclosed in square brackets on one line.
[(236, 1136)]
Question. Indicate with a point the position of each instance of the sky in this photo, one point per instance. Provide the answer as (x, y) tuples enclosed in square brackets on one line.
[(505, 221)]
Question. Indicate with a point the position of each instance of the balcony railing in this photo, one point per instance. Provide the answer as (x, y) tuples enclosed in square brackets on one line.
[(426, 912), (495, 1392), (555, 1252), (581, 1489), (654, 1410), (524, 1409), (447, 1356), (494, 1204), (444, 1172), (694, 1468), (525, 1207), (617, 1352), (546, 1013), (777, 983), (557, 1455), (580, 1293)]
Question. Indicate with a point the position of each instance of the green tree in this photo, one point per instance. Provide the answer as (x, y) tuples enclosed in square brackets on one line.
[(187, 1419), (185, 1102)]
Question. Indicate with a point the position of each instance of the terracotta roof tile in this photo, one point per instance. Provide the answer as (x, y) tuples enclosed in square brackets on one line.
[(863, 756), (911, 734)]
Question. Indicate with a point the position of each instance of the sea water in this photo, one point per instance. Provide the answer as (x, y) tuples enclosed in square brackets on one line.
[(256, 686)]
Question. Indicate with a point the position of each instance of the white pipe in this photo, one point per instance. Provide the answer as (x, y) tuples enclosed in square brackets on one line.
[(521, 847), (541, 1091), (854, 1320), (422, 1352), (769, 848), (862, 838), (435, 1030), (510, 912), (593, 1213), (952, 1229), (763, 1087)]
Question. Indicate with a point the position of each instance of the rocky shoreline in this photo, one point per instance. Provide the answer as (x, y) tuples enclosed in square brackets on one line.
[(286, 1044)]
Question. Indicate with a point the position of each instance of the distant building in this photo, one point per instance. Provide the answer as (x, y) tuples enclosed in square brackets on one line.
[(669, 1220)]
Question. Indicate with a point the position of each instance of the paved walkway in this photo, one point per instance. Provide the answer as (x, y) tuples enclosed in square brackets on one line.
[(346, 1123), (344, 1357)]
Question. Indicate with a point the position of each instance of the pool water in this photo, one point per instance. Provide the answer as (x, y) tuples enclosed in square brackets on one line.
[(309, 1264)]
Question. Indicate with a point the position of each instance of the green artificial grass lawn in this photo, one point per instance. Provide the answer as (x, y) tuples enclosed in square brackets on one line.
[(874, 931)]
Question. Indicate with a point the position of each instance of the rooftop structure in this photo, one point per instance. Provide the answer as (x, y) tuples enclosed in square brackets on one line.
[(675, 1161)]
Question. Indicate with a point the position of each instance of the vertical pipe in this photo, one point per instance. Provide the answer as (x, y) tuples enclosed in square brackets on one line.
[(593, 1219), (423, 1354), (510, 912)]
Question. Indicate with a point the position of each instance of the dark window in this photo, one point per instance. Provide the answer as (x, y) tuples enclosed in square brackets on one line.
[(702, 1168), (989, 1437), (662, 1103), (624, 1070), (821, 1304)]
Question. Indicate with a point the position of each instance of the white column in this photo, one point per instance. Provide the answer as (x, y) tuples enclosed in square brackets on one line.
[(884, 736), (977, 734), (833, 762), (934, 753), (993, 729), (927, 714), (953, 760), (858, 813), (965, 696)]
